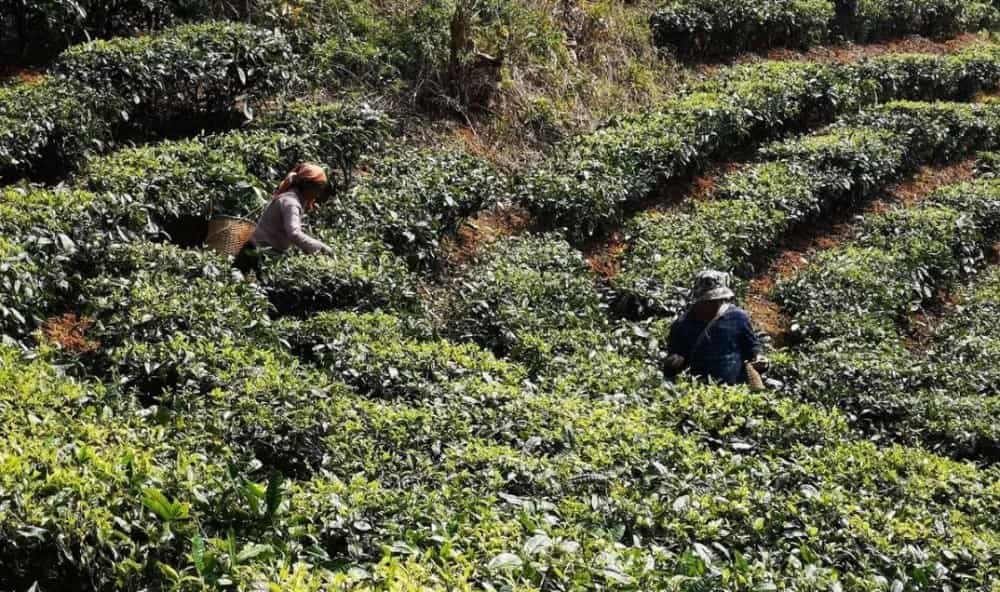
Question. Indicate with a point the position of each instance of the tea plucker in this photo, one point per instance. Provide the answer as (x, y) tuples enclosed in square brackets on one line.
[(714, 338), (280, 224)]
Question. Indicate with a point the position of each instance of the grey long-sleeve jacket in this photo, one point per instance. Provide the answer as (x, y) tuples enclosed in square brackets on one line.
[(280, 226)]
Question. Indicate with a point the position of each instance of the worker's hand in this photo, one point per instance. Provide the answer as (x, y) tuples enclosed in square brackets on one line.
[(761, 363), (675, 363)]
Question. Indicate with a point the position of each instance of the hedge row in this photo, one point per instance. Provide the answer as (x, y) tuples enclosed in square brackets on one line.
[(853, 304), (43, 28), (188, 181), (241, 451), (183, 79), (382, 356), (521, 287), (192, 75), (591, 182), (802, 180), (968, 341), (715, 28), (411, 199), (361, 273), (52, 238), (290, 480), (45, 127)]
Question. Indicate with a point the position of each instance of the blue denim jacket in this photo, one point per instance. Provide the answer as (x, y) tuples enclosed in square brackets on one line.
[(729, 343)]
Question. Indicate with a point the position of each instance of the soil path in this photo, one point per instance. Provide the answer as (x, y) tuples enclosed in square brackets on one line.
[(799, 247), (849, 53)]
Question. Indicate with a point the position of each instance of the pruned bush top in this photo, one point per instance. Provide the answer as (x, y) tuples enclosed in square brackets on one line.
[(178, 180), (524, 285), (46, 127), (339, 134), (828, 170), (381, 355), (717, 28), (193, 75), (360, 274), (711, 28), (591, 181), (44, 27), (411, 199)]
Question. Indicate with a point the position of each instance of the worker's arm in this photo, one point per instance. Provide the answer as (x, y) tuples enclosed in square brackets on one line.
[(291, 212), (676, 349), (753, 349)]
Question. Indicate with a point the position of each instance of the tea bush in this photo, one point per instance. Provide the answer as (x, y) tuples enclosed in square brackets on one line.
[(54, 238), (338, 134), (360, 274), (373, 353), (181, 181), (25, 298), (857, 359), (44, 28), (186, 182), (710, 28), (898, 262), (591, 182), (874, 20), (524, 285), (411, 200), (807, 177), (168, 291), (46, 127), (192, 75)]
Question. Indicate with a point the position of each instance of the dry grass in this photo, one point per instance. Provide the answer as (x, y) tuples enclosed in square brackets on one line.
[(69, 333)]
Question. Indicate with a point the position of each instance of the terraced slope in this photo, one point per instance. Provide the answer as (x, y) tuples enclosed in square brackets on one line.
[(396, 417)]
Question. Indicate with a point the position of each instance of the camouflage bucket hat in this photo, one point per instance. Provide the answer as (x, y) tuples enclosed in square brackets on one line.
[(711, 285)]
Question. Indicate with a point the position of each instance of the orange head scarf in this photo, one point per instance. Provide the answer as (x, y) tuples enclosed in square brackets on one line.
[(304, 173)]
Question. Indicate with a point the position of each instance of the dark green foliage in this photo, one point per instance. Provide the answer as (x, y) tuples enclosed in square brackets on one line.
[(714, 28), (524, 285), (873, 20), (169, 290), (853, 304), (192, 76), (897, 262), (186, 182), (988, 164), (338, 134), (412, 199), (44, 27), (53, 239), (379, 354), (182, 183), (26, 289), (592, 181), (46, 127), (809, 176), (360, 274)]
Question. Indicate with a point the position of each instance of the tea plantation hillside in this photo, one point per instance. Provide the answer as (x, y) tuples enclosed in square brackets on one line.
[(468, 390)]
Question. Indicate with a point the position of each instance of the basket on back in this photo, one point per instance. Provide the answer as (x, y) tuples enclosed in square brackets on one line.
[(228, 235)]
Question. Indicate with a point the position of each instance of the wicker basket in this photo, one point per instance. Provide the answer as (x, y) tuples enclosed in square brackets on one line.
[(228, 235), (754, 378)]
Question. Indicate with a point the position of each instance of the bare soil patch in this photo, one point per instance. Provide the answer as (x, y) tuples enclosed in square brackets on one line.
[(799, 247), (484, 228), (69, 333)]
